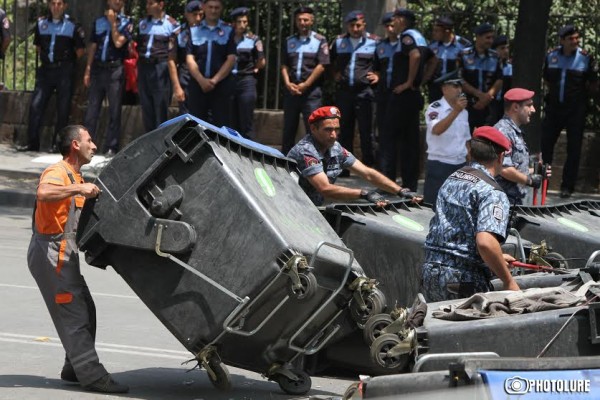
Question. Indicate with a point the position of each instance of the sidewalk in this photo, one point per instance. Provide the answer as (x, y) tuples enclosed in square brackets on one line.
[(19, 173)]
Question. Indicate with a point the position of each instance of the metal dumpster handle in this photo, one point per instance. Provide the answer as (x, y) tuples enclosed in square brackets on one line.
[(450, 356)]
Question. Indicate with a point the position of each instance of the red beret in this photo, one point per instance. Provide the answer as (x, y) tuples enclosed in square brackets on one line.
[(518, 94), (326, 112), (493, 135)]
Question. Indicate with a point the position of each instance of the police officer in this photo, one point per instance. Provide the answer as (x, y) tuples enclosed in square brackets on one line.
[(59, 42), (4, 37), (157, 71), (352, 57), (53, 260), (502, 48), (447, 46), (250, 60), (482, 74), (193, 16), (516, 175), (305, 56), (447, 134), (104, 76), (570, 75), (405, 103), (384, 65), (321, 159), (210, 58), (462, 249)]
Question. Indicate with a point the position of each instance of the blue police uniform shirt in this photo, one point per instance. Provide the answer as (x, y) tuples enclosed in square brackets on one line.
[(311, 162), (249, 51), (517, 157), (211, 46), (448, 54), (58, 40), (507, 71), (302, 55), (4, 29), (410, 39), (384, 62), (157, 38), (567, 75), (480, 71), (102, 36), (354, 63), (182, 42), (466, 205)]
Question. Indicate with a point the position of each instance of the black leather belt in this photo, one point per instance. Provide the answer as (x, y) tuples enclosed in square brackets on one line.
[(108, 64), (143, 60), (57, 64)]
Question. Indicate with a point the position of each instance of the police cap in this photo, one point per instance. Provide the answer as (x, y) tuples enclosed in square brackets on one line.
[(193, 6), (406, 13), (483, 29), (353, 16), (518, 94), (444, 22), (500, 40), (492, 135), (452, 78), (303, 10), (387, 18), (567, 30), (327, 112), (238, 12)]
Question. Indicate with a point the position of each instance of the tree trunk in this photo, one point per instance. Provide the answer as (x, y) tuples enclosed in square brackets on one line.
[(528, 59)]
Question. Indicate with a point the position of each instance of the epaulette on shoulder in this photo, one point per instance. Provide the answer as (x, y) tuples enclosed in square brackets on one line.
[(41, 17), (552, 50), (583, 51), (289, 37), (172, 20), (468, 50), (251, 36), (373, 36), (435, 104), (464, 42), (318, 36), (340, 36)]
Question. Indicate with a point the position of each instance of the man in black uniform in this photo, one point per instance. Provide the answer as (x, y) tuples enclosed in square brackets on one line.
[(353, 57), (383, 64), (193, 16), (110, 36), (304, 58), (59, 42), (482, 75), (406, 102), (570, 75)]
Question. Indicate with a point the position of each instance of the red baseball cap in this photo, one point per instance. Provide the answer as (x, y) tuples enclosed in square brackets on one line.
[(518, 94), (326, 112), (493, 135)]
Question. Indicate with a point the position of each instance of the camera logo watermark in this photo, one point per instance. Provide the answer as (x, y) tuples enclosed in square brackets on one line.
[(519, 385)]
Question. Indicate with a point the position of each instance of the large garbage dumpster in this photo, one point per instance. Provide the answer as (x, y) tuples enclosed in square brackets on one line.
[(570, 229), (214, 235)]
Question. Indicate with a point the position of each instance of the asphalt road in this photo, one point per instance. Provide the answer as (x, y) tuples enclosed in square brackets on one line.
[(131, 342)]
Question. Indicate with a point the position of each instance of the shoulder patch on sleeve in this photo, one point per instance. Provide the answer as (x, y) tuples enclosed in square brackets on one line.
[(407, 40), (436, 104), (318, 36), (432, 115), (498, 213), (5, 23), (309, 160)]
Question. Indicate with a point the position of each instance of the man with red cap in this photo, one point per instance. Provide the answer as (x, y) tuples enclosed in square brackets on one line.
[(462, 249), (321, 160), (516, 175)]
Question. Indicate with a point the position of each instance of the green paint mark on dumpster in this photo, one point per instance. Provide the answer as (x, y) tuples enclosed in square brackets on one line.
[(264, 181), (408, 223), (572, 224)]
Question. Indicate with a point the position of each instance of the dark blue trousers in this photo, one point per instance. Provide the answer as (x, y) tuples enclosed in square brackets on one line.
[(356, 105), (154, 87), (213, 106), (292, 107), (106, 82), (244, 103), (49, 80)]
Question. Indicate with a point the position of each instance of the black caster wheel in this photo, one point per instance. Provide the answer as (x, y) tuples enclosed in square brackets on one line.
[(308, 288), (374, 326), (221, 379), (295, 387), (556, 260), (380, 348), (375, 302)]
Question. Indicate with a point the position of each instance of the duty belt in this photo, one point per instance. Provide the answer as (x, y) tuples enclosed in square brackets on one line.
[(108, 64), (57, 64), (151, 60)]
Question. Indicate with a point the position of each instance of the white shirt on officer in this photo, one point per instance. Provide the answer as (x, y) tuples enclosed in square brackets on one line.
[(450, 146)]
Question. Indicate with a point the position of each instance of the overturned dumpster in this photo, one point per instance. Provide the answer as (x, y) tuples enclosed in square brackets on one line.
[(214, 235), (571, 230)]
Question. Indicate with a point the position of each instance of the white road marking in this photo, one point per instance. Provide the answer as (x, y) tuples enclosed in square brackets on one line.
[(120, 296)]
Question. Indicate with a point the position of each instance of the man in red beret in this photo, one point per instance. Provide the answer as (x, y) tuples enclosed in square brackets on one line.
[(462, 249), (321, 159), (516, 176)]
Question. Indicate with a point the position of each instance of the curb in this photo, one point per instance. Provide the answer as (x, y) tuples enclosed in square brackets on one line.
[(16, 198)]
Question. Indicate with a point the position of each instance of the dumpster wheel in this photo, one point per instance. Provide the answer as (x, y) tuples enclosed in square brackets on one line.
[(380, 351), (306, 288), (296, 387), (374, 303), (218, 374), (375, 324)]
